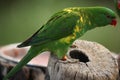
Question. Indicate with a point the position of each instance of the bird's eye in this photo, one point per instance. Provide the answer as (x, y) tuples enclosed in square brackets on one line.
[(112, 17)]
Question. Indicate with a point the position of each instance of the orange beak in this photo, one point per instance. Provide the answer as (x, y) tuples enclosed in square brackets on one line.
[(114, 22)]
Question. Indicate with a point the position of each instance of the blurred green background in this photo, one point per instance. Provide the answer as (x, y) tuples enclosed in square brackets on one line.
[(21, 18)]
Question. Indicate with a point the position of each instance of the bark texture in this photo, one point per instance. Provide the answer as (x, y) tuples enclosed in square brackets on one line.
[(87, 61), (94, 62)]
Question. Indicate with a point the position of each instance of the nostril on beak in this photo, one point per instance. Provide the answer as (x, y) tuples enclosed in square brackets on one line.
[(76, 54)]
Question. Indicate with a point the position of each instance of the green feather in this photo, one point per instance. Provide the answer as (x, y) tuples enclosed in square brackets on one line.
[(61, 30)]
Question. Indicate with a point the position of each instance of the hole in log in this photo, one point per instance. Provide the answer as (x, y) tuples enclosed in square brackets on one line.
[(79, 55)]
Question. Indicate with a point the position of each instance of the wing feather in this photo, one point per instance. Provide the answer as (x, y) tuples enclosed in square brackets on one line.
[(59, 26)]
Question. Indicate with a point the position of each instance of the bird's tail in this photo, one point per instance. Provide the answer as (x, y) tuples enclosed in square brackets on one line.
[(34, 51)]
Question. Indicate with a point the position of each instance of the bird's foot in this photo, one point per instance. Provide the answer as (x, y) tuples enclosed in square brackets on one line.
[(65, 59)]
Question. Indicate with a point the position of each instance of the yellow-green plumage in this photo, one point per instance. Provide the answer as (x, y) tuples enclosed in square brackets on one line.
[(61, 30)]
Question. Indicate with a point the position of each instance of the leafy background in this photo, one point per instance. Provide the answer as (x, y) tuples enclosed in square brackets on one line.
[(21, 18)]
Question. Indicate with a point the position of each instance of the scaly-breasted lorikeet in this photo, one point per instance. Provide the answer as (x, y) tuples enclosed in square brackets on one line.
[(62, 29)]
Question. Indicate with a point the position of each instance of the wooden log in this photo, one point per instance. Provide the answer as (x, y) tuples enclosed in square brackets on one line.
[(118, 59), (94, 62)]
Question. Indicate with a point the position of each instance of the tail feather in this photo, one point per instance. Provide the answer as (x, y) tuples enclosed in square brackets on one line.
[(31, 53)]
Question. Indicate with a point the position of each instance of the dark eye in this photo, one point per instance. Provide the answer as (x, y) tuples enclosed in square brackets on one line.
[(110, 17)]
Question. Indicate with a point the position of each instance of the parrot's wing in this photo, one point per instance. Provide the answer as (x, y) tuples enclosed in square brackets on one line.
[(59, 26)]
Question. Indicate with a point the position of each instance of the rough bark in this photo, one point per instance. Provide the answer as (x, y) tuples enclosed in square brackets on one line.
[(95, 62)]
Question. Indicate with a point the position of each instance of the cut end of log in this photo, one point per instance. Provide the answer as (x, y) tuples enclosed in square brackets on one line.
[(95, 63)]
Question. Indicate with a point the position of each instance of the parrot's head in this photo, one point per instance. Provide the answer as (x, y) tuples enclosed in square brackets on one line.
[(104, 16)]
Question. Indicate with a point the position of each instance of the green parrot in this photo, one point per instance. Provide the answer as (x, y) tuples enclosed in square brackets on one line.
[(64, 27), (117, 6)]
